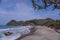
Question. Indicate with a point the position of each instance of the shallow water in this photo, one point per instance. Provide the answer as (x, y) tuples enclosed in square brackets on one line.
[(16, 30)]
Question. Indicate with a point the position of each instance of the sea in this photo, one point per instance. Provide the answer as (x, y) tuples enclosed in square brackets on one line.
[(17, 31), (6, 26)]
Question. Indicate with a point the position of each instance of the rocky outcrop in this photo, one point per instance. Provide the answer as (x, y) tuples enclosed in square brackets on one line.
[(8, 33), (12, 23), (44, 22)]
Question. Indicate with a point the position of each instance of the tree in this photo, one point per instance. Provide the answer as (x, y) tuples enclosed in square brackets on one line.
[(50, 2), (36, 5)]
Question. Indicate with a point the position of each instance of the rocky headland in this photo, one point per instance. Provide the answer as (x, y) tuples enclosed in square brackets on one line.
[(43, 29), (48, 22)]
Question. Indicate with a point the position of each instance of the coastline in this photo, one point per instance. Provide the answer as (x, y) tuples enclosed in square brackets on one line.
[(35, 33), (32, 31), (16, 32)]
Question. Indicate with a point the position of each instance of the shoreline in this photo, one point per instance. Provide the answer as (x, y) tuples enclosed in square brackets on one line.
[(15, 32), (32, 32)]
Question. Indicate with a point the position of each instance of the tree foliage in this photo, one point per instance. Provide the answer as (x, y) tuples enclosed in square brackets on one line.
[(46, 2), (36, 5)]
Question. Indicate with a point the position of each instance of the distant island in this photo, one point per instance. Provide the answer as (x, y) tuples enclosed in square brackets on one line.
[(43, 22)]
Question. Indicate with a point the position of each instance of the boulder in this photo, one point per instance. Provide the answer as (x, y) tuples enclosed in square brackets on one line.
[(8, 33)]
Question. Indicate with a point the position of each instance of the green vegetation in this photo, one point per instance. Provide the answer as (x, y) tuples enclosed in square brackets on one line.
[(50, 2), (47, 22)]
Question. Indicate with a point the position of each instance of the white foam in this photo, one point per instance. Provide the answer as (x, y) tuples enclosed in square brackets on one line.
[(17, 32), (11, 37)]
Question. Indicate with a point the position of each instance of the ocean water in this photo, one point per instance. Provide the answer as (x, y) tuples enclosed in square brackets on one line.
[(17, 31), (4, 26)]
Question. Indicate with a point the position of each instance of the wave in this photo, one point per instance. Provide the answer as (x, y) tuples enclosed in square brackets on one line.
[(17, 32)]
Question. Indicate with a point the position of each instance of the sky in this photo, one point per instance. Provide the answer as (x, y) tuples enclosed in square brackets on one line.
[(21, 10)]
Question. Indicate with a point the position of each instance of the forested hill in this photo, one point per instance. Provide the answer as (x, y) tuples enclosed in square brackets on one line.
[(46, 22)]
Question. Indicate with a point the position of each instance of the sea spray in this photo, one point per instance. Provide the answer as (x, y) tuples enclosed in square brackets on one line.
[(17, 32)]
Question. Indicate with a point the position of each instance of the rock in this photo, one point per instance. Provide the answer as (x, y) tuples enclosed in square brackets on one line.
[(8, 33), (58, 6), (57, 29)]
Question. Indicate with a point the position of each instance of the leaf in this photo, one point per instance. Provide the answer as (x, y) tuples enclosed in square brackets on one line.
[(32, 1), (39, 7)]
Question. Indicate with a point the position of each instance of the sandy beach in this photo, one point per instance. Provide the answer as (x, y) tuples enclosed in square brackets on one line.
[(43, 33)]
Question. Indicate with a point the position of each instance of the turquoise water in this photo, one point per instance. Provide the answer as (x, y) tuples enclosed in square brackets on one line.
[(4, 26)]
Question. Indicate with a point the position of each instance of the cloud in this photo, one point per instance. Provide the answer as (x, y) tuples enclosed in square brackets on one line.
[(21, 12)]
